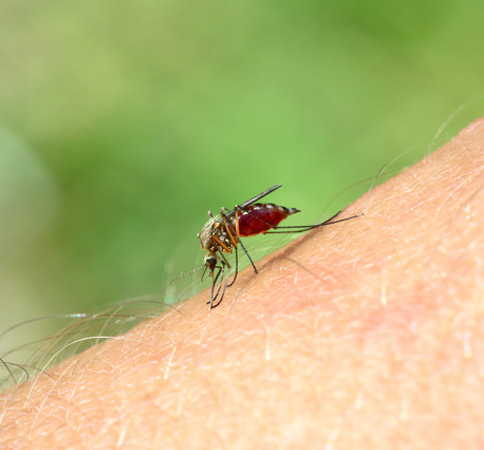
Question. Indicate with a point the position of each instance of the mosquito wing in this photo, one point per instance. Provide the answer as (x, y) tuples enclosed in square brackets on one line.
[(254, 199)]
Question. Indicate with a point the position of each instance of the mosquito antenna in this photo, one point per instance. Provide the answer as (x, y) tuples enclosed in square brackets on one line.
[(189, 272)]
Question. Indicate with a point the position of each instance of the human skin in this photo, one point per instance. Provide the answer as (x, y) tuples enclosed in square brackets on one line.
[(366, 334)]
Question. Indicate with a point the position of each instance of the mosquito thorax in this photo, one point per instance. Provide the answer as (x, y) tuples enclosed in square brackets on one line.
[(214, 227)]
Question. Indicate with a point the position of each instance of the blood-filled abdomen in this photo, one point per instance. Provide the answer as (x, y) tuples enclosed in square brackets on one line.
[(260, 218)]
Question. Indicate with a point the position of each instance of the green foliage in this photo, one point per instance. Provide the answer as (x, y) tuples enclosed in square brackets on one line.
[(124, 122)]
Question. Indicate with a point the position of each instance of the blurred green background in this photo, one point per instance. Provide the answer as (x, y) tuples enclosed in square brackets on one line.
[(122, 123)]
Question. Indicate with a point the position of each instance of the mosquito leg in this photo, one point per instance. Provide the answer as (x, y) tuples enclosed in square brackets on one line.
[(331, 221), (236, 268), (216, 296), (248, 256), (221, 270), (221, 297), (326, 222), (234, 239), (212, 303), (237, 232), (303, 228), (225, 259), (219, 244), (237, 227), (233, 235)]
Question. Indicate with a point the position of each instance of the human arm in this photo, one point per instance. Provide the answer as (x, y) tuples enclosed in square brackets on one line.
[(364, 335)]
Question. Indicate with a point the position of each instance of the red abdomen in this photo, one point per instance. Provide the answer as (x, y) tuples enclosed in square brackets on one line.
[(261, 217)]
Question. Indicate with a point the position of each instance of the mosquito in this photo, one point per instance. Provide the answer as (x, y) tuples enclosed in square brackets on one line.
[(222, 233)]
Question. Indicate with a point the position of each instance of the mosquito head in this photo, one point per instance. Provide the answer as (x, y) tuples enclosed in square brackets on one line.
[(211, 261)]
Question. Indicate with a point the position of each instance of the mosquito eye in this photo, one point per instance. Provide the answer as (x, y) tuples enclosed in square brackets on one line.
[(211, 261)]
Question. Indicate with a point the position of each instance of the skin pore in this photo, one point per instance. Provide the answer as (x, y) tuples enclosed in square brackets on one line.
[(368, 334)]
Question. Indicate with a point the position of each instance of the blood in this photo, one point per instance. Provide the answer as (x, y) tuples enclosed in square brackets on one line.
[(261, 217)]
